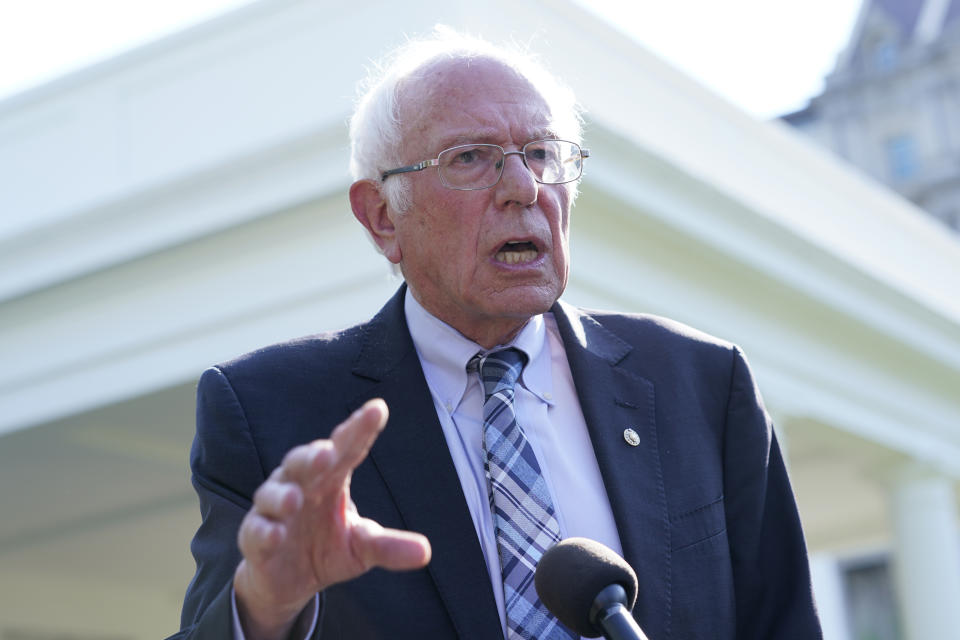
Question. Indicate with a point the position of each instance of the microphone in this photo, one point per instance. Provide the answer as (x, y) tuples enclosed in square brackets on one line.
[(589, 588)]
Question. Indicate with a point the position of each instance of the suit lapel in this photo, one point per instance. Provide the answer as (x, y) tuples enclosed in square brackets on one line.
[(412, 457), (614, 399)]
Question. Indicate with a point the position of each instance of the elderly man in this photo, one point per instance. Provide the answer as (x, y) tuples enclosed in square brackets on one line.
[(516, 420)]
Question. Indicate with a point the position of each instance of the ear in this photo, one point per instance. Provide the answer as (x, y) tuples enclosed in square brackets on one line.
[(370, 208)]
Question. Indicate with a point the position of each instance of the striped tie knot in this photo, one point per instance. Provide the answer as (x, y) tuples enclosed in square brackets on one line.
[(500, 370)]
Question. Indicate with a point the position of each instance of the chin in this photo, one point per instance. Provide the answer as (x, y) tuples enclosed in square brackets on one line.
[(526, 302)]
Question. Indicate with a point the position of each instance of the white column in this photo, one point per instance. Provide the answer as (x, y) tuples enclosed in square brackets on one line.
[(926, 553)]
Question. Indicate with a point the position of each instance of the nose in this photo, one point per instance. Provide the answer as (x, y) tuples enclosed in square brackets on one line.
[(517, 185)]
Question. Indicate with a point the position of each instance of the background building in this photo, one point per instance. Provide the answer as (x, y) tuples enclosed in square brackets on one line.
[(186, 202), (892, 105)]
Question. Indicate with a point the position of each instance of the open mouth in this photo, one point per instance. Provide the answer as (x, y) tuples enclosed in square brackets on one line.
[(517, 252)]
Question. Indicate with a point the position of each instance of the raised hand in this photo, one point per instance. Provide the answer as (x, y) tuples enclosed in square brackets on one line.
[(304, 533)]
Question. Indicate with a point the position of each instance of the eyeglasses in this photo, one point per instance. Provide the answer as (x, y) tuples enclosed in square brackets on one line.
[(470, 167)]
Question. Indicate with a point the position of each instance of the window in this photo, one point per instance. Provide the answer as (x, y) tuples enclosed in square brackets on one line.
[(885, 56), (870, 601), (901, 157)]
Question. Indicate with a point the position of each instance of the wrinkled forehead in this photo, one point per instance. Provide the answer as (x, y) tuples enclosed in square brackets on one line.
[(459, 92)]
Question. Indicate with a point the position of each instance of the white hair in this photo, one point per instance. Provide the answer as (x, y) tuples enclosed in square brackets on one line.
[(375, 137)]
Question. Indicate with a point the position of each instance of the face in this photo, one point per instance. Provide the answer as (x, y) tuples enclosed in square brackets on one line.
[(483, 261)]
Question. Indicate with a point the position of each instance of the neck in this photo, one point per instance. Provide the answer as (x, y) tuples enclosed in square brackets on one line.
[(489, 336), (486, 331)]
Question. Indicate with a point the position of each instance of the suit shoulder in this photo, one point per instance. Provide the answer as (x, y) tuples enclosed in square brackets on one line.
[(333, 351), (671, 354), (644, 328)]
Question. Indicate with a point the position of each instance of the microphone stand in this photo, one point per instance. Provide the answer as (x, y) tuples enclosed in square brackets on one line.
[(610, 614)]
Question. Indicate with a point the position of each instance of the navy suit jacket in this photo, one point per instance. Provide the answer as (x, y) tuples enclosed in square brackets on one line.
[(703, 505)]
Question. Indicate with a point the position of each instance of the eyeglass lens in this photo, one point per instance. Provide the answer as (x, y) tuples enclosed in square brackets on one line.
[(478, 166)]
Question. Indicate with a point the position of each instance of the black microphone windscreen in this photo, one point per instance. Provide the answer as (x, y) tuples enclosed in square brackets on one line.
[(571, 574)]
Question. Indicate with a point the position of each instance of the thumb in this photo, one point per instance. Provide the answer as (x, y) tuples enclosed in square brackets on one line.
[(395, 549)]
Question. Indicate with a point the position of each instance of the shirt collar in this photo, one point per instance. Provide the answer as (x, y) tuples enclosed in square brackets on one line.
[(444, 353)]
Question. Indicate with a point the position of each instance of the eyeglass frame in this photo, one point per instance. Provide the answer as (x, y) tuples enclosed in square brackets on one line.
[(420, 166)]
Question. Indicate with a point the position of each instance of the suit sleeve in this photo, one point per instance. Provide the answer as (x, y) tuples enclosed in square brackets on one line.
[(774, 599), (226, 470)]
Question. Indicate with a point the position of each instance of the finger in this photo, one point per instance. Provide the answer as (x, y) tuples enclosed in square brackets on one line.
[(302, 464), (394, 549), (259, 537), (332, 461), (353, 438), (277, 500)]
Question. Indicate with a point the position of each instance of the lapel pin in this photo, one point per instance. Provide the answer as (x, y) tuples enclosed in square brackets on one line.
[(631, 436)]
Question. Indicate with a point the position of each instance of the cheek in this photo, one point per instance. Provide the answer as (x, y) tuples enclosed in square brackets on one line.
[(448, 235), (561, 207)]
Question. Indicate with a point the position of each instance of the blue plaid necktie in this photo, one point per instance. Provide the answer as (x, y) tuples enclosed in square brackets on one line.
[(523, 514)]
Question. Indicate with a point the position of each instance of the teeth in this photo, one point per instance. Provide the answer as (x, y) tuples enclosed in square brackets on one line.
[(513, 257)]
